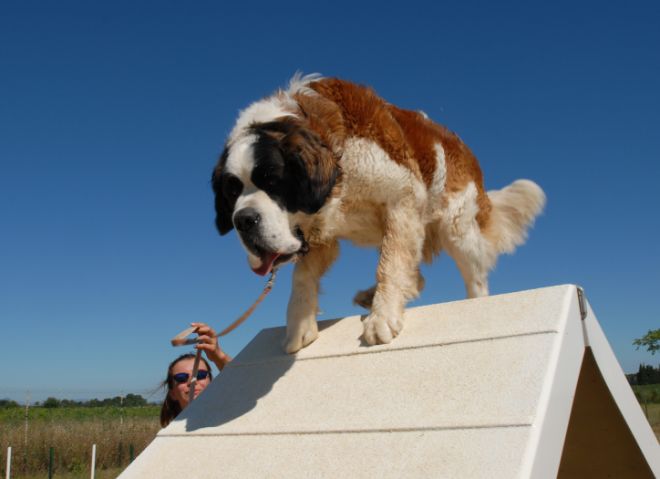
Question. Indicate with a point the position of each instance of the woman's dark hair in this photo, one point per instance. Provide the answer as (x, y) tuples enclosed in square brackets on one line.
[(171, 408)]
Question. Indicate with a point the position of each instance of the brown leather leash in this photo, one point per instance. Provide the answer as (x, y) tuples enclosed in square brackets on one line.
[(182, 339), (193, 377)]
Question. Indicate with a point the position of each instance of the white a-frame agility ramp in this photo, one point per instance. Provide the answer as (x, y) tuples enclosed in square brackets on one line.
[(516, 385)]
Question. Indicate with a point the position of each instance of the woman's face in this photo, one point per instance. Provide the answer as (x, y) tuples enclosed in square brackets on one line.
[(180, 391)]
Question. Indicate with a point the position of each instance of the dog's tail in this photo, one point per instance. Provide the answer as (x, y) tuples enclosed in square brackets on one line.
[(514, 209)]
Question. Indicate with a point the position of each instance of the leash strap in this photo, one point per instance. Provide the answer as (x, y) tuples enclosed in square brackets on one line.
[(182, 339), (193, 379)]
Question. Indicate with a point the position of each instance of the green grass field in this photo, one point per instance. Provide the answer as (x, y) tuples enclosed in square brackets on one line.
[(71, 433), (649, 393), (77, 413), (649, 398), (652, 412)]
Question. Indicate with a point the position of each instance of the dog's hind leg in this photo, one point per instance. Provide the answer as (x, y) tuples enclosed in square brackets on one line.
[(365, 297), (301, 327), (474, 273), (398, 272), (464, 241)]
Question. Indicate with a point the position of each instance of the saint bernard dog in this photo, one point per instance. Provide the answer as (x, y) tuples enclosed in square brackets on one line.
[(326, 160)]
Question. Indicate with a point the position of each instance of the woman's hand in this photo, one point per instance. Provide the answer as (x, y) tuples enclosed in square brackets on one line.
[(208, 342)]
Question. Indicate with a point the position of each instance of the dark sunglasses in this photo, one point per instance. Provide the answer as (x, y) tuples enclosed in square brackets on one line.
[(181, 378)]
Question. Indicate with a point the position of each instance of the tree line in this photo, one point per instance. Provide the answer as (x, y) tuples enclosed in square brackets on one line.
[(130, 400), (646, 374)]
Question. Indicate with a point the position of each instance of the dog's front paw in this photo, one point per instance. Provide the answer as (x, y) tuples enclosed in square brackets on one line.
[(379, 329), (365, 297), (300, 336)]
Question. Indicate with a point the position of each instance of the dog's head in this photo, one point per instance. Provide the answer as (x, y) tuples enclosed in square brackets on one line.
[(267, 176)]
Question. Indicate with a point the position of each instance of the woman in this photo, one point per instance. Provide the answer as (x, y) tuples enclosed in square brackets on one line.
[(179, 373)]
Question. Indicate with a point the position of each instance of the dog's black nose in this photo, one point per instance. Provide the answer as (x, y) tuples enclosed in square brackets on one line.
[(246, 219)]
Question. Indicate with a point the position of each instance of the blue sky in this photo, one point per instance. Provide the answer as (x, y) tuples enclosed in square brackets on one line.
[(112, 116)]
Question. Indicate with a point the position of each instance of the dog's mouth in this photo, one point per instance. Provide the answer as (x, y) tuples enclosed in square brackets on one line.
[(273, 259)]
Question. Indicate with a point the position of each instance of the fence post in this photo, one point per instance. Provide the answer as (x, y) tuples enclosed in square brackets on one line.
[(25, 443), (93, 460), (9, 462), (50, 462)]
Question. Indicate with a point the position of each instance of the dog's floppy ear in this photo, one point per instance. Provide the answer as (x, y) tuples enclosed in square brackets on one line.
[(312, 168), (224, 206)]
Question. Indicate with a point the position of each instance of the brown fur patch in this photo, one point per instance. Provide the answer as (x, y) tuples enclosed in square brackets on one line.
[(365, 116), (345, 109), (462, 166), (324, 117)]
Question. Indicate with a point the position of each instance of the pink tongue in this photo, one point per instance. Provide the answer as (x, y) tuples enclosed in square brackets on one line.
[(267, 261)]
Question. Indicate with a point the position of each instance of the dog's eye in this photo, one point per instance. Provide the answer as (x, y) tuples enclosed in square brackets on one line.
[(269, 177)]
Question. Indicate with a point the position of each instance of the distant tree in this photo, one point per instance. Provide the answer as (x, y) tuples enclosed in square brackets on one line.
[(650, 341), (642, 374), (51, 402), (648, 375), (134, 400), (130, 400), (7, 403)]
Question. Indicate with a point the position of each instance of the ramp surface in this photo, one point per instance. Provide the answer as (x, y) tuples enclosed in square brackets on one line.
[(477, 388)]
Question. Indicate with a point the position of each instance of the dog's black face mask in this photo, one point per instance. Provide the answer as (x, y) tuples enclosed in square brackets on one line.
[(291, 165)]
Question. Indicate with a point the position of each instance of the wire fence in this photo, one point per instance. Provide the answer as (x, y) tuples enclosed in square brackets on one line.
[(59, 443), (52, 466), (51, 461)]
